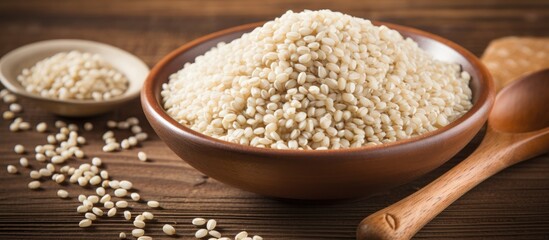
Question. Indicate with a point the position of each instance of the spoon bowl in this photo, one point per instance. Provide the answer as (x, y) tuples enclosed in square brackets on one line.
[(518, 129), (522, 106)]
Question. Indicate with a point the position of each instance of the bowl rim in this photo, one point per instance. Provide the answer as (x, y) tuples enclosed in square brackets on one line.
[(154, 108), (13, 86)]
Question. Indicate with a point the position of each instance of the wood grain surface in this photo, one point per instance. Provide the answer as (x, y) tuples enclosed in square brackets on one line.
[(514, 204)]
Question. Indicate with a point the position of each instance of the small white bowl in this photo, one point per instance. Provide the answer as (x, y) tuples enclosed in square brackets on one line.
[(26, 56)]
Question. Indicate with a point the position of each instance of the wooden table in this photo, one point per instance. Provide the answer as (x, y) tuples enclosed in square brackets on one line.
[(512, 205)]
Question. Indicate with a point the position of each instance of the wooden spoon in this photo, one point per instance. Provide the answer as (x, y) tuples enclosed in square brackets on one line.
[(518, 129)]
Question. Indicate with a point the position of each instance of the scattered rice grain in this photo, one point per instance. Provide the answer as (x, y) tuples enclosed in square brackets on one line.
[(142, 156), (126, 184), (85, 223), (19, 149), (138, 232), (12, 169), (120, 192), (127, 215), (62, 193), (214, 233), (111, 212), (210, 225), (90, 216), (24, 162), (201, 233), (135, 196), (88, 126), (121, 204), (168, 229), (241, 235), (148, 215), (153, 204), (139, 223), (198, 221), (41, 127)]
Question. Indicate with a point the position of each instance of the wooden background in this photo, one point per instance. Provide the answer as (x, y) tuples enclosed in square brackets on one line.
[(512, 205)]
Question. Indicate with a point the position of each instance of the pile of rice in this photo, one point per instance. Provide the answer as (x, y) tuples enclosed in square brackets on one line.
[(74, 75), (317, 80)]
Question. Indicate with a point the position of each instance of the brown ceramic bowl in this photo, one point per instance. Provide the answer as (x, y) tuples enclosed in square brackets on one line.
[(310, 174)]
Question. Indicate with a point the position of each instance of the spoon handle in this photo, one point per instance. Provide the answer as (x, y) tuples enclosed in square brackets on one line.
[(404, 218)]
